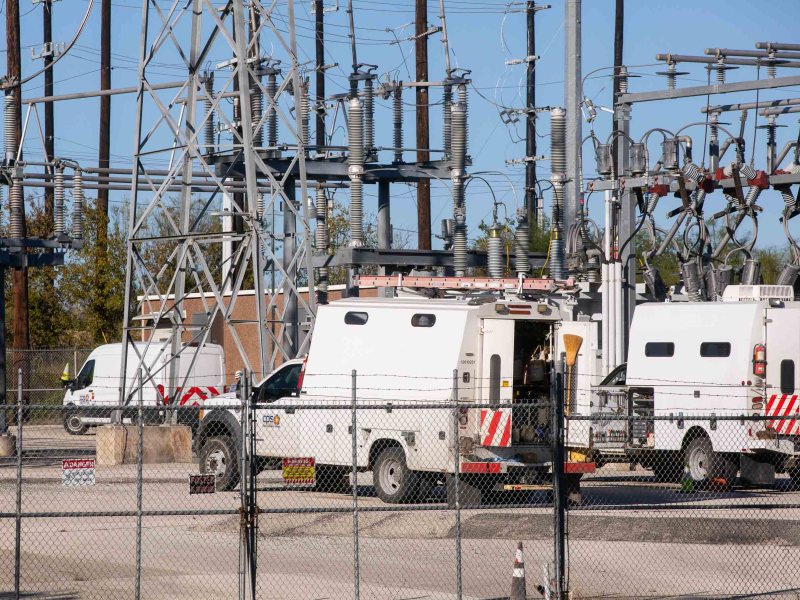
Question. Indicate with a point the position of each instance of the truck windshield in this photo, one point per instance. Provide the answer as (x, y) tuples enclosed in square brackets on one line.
[(86, 376)]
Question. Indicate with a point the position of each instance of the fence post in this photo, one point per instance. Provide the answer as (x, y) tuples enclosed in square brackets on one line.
[(18, 509), (139, 462), (354, 476), (246, 559), (559, 488), (456, 476)]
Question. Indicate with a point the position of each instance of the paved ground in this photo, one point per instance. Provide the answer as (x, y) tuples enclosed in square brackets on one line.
[(704, 546)]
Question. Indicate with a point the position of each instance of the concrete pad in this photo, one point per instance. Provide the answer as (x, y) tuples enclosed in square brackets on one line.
[(8, 445), (117, 444)]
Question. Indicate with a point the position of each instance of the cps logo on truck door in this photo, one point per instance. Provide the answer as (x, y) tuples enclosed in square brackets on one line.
[(271, 420)]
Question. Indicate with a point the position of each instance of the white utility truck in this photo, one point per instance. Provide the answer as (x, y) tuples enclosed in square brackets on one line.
[(691, 362), (92, 394), (420, 352)]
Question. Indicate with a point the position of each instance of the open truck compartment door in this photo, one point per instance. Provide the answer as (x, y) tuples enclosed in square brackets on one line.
[(496, 382)]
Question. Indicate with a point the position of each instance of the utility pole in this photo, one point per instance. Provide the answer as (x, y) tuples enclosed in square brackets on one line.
[(19, 276), (572, 102), (531, 201), (423, 121), (319, 36), (104, 147), (48, 54), (619, 36)]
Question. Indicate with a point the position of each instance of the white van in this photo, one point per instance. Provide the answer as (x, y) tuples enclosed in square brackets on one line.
[(94, 392), (690, 363)]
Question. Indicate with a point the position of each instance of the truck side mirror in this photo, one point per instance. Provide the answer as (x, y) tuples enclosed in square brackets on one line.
[(68, 384)]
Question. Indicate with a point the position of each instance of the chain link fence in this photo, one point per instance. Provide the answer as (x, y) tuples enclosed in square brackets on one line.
[(349, 495)]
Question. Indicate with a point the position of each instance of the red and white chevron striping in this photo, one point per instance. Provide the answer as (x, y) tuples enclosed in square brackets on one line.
[(785, 408), (496, 427)]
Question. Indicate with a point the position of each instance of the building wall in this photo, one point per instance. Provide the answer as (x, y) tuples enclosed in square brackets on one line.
[(245, 330)]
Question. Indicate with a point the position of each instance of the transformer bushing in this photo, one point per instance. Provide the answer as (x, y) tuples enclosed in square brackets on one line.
[(58, 200), (77, 204), (458, 117), (558, 167), (208, 103), (305, 112), (272, 114), (10, 127), (16, 217), (256, 109), (369, 115), (321, 237), (355, 170), (494, 257), (397, 120), (521, 245), (447, 102)]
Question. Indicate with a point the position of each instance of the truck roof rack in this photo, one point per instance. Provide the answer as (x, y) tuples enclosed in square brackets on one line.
[(508, 284)]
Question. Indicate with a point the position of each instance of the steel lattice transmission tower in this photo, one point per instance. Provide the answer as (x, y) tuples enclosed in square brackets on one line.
[(201, 186)]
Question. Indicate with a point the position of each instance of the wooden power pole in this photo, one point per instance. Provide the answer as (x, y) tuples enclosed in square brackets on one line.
[(104, 142), (48, 53), (19, 277), (423, 122)]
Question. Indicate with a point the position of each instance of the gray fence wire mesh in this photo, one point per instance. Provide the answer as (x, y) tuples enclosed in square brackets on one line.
[(353, 496)]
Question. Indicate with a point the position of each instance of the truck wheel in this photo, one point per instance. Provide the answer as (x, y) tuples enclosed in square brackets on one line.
[(73, 424), (707, 467), (218, 457), (394, 482)]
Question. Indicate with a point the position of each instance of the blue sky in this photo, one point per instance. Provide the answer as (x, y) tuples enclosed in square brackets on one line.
[(483, 34)]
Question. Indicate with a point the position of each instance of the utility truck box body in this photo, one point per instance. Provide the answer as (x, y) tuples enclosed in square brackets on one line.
[(406, 361), (691, 362)]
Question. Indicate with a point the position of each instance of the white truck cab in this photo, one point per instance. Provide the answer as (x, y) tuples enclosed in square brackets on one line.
[(95, 390), (489, 351), (691, 362)]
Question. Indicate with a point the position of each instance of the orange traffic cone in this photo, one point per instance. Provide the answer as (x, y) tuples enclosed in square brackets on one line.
[(518, 591)]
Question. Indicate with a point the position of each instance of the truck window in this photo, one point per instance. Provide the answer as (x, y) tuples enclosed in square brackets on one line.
[(787, 376), (715, 349), (659, 349), (356, 318), (494, 378), (423, 320), (86, 376), (282, 383)]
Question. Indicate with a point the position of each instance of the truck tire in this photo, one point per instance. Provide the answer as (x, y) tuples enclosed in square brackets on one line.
[(73, 424), (219, 457), (394, 482), (706, 467)]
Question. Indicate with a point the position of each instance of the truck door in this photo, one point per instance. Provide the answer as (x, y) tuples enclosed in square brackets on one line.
[(495, 385), (283, 428), (783, 354)]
